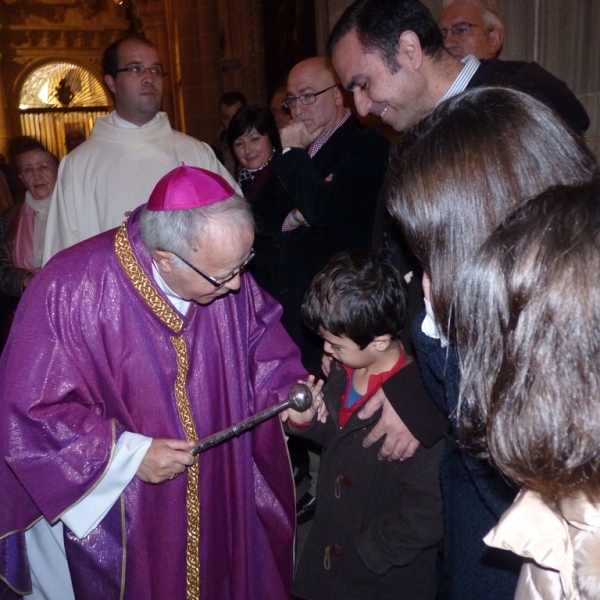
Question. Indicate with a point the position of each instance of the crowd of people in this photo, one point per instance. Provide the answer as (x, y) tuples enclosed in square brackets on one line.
[(437, 296)]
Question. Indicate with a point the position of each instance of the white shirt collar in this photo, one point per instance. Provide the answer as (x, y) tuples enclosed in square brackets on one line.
[(471, 64), (177, 301), (117, 121)]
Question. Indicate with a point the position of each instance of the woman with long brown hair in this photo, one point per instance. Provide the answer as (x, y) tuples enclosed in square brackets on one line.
[(454, 177)]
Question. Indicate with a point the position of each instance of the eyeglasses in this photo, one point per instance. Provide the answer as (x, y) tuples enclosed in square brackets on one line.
[(139, 70), (458, 29), (217, 283), (309, 98)]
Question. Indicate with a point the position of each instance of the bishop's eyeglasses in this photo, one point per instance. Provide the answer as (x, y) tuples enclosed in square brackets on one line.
[(218, 283)]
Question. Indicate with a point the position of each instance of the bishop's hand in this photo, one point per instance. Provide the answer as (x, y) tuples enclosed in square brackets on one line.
[(164, 460)]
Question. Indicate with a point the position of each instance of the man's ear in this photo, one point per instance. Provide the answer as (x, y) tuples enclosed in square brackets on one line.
[(409, 50), (110, 83), (337, 94), (496, 39), (382, 342), (163, 260)]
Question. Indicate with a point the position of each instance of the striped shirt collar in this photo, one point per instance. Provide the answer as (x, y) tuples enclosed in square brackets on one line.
[(323, 139), (471, 64)]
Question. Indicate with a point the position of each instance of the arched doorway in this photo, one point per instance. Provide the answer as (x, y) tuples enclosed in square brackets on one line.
[(58, 98)]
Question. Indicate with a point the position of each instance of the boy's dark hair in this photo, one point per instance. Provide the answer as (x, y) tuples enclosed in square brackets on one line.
[(380, 23), (231, 98), (110, 58), (358, 295), (261, 119)]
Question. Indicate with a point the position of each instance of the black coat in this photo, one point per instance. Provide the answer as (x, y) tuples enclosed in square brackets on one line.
[(383, 517), (475, 494), (336, 192), (534, 80)]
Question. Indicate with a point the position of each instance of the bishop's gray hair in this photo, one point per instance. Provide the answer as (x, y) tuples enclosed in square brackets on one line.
[(181, 231)]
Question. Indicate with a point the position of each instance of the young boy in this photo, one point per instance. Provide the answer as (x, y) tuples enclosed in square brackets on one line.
[(378, 523)]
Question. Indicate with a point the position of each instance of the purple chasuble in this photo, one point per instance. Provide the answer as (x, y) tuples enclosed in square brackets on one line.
[(96, 349)]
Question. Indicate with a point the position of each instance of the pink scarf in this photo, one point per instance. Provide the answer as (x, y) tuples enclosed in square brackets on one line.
[(28, 242)]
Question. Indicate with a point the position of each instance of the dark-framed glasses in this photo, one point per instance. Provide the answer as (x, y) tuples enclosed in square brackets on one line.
[(308, 98), (218, 283), (458, 29), (139, 70)]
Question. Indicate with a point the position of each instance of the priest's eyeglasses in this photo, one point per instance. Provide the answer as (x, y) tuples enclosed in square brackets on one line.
[(218, 283), (459, 29), (308, 98), (139, 70)]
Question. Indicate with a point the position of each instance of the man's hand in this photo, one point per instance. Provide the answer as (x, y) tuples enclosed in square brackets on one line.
[(399, 441), (296, 135), (164, 460)]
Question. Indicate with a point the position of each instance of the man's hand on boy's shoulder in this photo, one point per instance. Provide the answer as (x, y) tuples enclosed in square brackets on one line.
[(399, 443)]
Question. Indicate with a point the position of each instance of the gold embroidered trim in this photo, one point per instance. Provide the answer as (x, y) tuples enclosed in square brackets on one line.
[(142, 284), (192, 499)]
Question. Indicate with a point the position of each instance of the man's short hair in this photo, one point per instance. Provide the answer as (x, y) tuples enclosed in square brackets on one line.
[(233, 98), (380, 23), (110, 58), (25, 143), (490, 15), (358, 295)]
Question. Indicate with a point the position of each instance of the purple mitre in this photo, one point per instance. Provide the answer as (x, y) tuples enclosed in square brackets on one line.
[(188, 187)]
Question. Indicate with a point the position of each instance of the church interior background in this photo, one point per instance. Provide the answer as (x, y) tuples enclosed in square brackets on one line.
[(50, 54)]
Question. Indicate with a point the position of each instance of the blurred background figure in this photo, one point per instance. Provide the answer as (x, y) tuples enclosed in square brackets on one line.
[(280, 111), (73, 139), (471, 27), (229, 104), (23, 225), (11, 176)]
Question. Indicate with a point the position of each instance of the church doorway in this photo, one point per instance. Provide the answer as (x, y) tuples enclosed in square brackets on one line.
[(59, 98)]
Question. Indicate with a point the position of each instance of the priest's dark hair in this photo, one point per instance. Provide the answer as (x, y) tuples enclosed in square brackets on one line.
[(380, 23), (184, 231), (358, 295), (110, 58), (456, 175), (528, 335)]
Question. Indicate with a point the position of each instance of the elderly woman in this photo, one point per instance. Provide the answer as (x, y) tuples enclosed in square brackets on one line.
[(454, 178), (23, 225)]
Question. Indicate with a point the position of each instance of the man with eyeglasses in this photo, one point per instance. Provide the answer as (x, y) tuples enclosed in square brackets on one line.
[(147, 338), (127, 152), (390, 55), (471, 27), (330, 172)]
